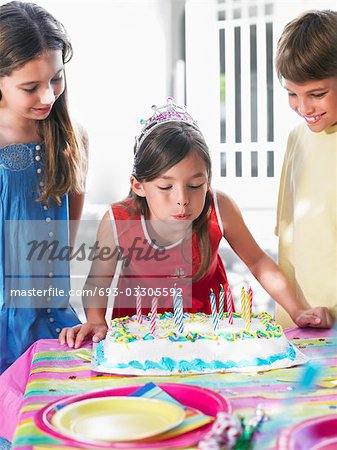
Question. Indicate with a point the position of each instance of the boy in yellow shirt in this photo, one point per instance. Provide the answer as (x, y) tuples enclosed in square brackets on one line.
[(306, 64)]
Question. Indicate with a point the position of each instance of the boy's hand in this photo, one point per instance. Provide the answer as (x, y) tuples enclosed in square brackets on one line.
[(318, 317), (74, 336)]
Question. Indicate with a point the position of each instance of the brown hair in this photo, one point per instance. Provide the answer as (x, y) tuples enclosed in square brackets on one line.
[(165, 147), (26, 32), (307, 48)]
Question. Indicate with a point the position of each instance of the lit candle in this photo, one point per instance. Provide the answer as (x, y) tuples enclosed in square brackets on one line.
[(250, 293), (139, 308), (247, 311), (221, 302), (214, 311), (154, 315), (243, 302), (180, 314), (229, 302), (176, 305)]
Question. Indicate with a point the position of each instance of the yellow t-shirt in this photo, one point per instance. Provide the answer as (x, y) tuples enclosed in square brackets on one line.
[(307, 217)]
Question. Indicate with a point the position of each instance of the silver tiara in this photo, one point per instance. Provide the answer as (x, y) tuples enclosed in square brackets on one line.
[(171, 112)]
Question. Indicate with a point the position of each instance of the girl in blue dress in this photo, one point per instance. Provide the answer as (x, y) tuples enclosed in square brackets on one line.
[(42, 171)]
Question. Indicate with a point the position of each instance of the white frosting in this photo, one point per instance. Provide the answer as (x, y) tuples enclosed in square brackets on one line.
[(209, 352)]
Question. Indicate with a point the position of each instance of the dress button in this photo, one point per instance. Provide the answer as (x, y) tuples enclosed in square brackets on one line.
[(48, 219), (51, 319), (38, 147), (50, 234), (50, 274), (48, 310), (50, 287), (45, 207), (39, 170), (37, 157), (57, 330), (48, 299), (49, 261), (41, 183)]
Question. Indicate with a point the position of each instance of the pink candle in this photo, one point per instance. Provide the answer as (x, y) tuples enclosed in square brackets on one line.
[(154, 315), (250, 293), (229, 301), (139, 309)]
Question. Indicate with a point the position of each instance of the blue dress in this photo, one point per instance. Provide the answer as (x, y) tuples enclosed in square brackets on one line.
[(34, 267)]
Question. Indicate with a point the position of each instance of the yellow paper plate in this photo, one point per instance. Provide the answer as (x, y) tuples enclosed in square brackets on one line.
[(117, 418)]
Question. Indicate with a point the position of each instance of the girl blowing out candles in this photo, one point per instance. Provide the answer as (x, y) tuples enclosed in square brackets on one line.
[(171, 188)]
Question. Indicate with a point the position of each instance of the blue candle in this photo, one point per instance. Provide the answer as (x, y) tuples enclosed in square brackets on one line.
[(178, 310), (221, 302), (175, 304), (180, 315), (212, 300)]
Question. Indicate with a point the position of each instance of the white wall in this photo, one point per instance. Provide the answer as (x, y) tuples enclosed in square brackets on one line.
[(119, 69), (256, 196)]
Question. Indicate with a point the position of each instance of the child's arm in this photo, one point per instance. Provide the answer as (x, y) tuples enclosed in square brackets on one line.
[(265, 270), (95, 290)]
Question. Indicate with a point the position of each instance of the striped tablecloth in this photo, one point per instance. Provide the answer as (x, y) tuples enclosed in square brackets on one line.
[(57, 371)]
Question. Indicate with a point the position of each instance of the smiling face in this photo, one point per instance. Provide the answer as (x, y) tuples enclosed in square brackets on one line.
[(178, 194), (315, 101), (30, 91)]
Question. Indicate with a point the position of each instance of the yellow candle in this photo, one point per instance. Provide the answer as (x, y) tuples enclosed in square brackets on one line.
[(243, 302), (248, 316)]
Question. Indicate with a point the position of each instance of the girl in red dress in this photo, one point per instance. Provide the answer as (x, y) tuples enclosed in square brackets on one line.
[(166, 235)]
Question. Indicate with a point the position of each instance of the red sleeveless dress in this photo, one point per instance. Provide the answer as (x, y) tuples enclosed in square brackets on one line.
[(154, 271)]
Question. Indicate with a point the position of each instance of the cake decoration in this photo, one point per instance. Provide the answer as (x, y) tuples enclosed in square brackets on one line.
[(239, 342)]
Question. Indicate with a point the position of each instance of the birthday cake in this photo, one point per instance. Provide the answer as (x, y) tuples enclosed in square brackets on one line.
[(131, 348)]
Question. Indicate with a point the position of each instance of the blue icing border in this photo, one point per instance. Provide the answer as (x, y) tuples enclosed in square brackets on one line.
[(99, 353), (197, 364)]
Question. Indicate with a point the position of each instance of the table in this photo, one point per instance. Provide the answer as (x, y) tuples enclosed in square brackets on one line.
[(55, 371)]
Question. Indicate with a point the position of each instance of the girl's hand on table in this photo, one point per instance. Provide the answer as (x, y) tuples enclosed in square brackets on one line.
[(74, 336), (318, 317)]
